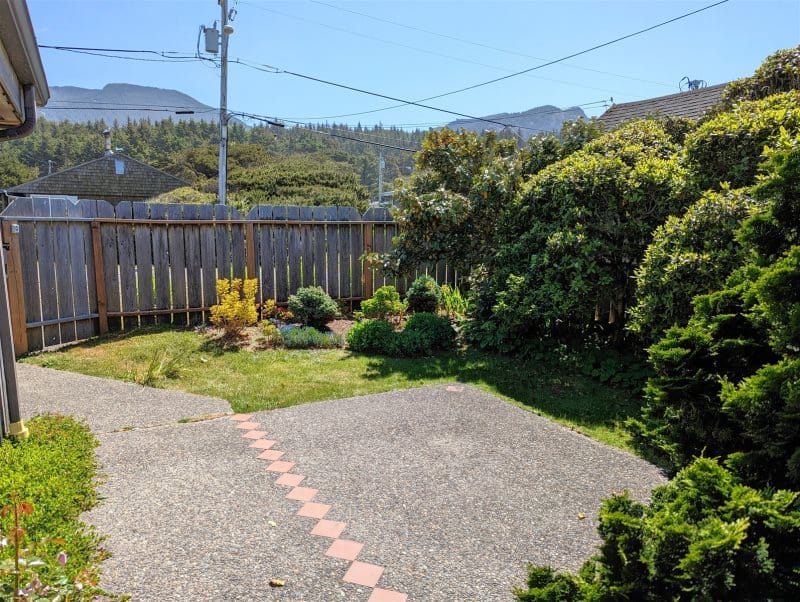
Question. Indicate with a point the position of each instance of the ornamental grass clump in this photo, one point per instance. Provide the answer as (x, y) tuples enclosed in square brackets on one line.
[(237, 305)]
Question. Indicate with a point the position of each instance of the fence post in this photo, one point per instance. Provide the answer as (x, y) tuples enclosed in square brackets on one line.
[(99, 277), (16, 295)]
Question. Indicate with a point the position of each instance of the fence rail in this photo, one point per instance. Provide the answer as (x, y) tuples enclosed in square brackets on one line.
[(79, 269)]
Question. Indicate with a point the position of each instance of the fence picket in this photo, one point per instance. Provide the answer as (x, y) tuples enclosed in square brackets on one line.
[(142, 240), (177, 264), (161, 262)]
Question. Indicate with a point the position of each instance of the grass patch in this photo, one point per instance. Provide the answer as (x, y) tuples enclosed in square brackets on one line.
[(55, 471), (277, 378)]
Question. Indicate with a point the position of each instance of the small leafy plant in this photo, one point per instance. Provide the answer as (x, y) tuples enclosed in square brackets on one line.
[(271, 311), (237, 306), (454, 303), (384, 304), (270, 334), (28, 575), (308, 337), (162, 365), (312, 306), (423, 295)]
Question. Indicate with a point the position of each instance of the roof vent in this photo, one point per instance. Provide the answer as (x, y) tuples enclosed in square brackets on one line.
[(687, 84), (107, 134)]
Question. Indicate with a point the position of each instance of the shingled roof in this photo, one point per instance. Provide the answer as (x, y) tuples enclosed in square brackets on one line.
[(692, 104), (113, 177)]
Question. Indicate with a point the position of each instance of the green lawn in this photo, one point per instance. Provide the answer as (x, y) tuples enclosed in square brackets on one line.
[(278, 378)]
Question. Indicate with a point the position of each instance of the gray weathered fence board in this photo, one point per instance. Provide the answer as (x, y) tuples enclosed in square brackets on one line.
[(222, 235), (82, 263), (143, 243), (208, 257), (161, 263), (307, 253), (127, 265), (320, 257), (279, 246), (295, 249), (177, 263), (332, 236), (45, 250)]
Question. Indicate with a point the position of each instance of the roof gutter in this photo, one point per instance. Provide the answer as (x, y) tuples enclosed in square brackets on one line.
[(29, 107)]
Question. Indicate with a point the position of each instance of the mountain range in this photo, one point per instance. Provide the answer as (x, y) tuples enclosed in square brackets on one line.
[(123, 102), (539, 120)]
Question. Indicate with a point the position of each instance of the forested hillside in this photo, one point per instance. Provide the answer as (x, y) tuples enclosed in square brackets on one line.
[(326, 163)]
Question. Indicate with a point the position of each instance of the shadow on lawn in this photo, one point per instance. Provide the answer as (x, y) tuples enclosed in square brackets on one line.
[(552, 388)]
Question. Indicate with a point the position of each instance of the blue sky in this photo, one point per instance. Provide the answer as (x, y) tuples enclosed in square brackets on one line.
[(379, 46)]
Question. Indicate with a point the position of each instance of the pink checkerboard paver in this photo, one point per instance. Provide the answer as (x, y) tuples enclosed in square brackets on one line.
[(345, 549), (387, 595), (262, 444), (280, 466), (302, 494), (241, 417), (314, 510), (254, 434), (328, 528), (289, 479), (270, 454), (247, 426), (363, 573)]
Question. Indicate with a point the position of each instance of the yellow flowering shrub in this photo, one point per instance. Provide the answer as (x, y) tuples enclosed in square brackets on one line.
[(237, 305)]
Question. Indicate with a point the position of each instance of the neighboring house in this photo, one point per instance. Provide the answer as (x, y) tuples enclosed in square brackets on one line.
[(692, 104), (22, 81), (112, 177), (22, 86)]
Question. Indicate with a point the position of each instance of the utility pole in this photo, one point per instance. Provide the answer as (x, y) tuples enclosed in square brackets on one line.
[(227, 30)]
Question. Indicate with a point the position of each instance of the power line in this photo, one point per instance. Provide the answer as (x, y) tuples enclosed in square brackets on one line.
[(582, 52), (270, 69), (423, 50), (481, 45)]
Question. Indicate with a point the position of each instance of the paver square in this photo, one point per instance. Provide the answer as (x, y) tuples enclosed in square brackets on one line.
[(241, 417), (247, 426), (387, 595), (363, 573), (289, 479), (302, 494), (314, 510), (345, 549), (270, 454), (262, 444), (280, 466), (328, 528), (254, 434)]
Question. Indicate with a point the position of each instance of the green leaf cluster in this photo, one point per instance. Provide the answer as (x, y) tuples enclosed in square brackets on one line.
[(689, 255), (780, 72), (54, 470), (312, 306), (726, 384), (424, 334), (705, 536), (729, 146)]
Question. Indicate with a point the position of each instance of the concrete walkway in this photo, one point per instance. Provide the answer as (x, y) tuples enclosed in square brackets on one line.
[(432, 494)]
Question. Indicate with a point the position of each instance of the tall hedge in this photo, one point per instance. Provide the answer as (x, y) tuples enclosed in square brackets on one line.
[(727, 384), (574, 236), (728, 147), (689, 255)]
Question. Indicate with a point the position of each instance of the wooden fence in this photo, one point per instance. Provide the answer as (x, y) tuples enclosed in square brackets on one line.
[(79, 269)]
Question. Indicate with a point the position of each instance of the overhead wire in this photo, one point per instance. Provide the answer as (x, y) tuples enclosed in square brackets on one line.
[(480, 44), (422, 50)]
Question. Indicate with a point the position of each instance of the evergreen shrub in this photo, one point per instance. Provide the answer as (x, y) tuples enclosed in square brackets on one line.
[(312, 306), (423, 295)]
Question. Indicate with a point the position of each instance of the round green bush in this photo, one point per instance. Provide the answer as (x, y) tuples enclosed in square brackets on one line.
[(384, 303), (312, 306), (426, 333), (423, 295), (373, 336)]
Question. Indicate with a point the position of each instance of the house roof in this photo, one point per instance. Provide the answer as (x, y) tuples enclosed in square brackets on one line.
[(20, 63), (114, 177), (692, 104)]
